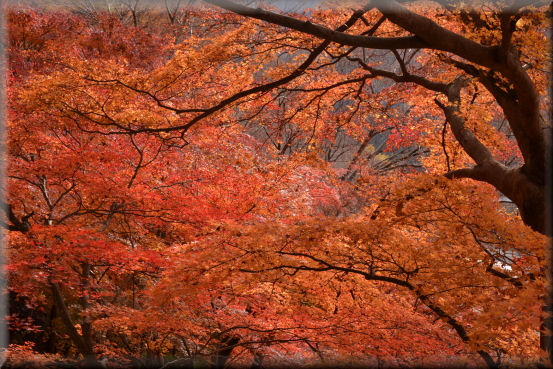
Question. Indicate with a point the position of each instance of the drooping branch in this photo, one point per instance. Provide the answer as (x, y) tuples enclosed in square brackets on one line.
[(226, 102), (371, 275), (456, 325)]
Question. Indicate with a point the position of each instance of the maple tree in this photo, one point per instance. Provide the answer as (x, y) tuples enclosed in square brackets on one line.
[(247, 187)]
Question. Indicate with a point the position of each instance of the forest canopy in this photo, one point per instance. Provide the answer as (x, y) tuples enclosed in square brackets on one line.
[(227, 184)]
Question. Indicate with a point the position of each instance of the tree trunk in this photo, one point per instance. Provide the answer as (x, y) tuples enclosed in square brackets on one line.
[(84, 346), (223, 351)]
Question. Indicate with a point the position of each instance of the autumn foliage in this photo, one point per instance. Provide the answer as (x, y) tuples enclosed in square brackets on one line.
[(221, 191)]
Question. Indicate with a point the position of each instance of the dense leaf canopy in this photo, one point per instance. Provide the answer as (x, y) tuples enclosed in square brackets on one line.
[(224, 185)]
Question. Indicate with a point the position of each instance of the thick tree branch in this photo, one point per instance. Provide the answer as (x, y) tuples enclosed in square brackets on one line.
[(427, 34), (470, 143), (526, 100), (508, 24), (475, 173), (528, 136), (514, 281), (526, 129), (410, 42), (434, 35), (20, 225)]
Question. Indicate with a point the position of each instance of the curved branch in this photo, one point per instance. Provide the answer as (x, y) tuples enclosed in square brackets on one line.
[(427, 34), (470, 143), (434, 35), (410, 42), (525, 127), (21, 225), (529, 136), (371, 276), (405, 77), (224, 103), (475, 173)]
